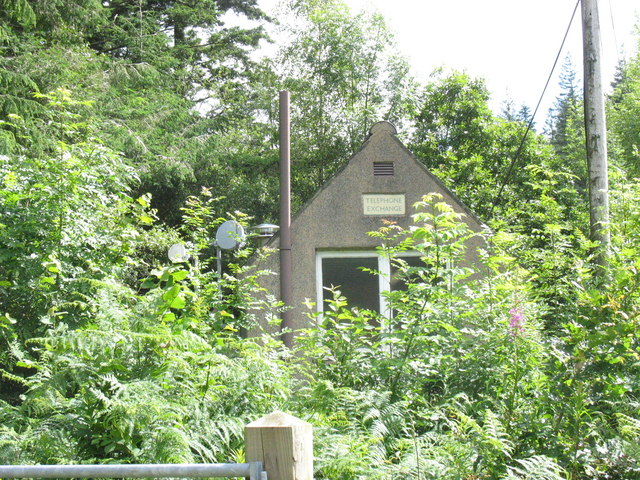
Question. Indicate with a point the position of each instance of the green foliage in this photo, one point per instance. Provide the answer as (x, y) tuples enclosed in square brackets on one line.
[(130, 390), (462, 380), (343, 74), (19, 11), (148, 372), (450, 358), (517, 184), (622, 116), (67, 221), (484, 390), (515, 365), (536, 467), (163, 79), (473, 152)]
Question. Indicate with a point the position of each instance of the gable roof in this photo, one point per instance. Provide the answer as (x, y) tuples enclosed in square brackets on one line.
[(384, 134)]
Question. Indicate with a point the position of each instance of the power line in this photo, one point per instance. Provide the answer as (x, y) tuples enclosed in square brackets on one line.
[(613, 28), (530, 124)]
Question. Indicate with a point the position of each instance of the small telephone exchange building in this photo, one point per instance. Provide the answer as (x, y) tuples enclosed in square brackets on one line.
[(330, 244)]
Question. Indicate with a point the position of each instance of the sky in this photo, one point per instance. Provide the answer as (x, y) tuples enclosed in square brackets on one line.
[(512, 44)]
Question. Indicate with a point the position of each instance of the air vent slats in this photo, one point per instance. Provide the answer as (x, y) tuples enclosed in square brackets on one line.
[(383, 169)]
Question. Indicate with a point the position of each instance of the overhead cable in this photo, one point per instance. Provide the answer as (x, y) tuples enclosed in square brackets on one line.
[(530, 124)]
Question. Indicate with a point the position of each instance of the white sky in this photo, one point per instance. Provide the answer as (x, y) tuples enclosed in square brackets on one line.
[(510, 43)]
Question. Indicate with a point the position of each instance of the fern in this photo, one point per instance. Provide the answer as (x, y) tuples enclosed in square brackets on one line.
[(538, 467), (10, 445), (433, 456), (10, 377), (150, 395), (488, 439), (490, 435), (345, 456), (495, 434), (629, 427), (171, 444), (10, 415)]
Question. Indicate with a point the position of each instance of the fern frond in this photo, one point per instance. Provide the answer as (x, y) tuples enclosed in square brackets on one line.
[(5, 34), (538, 467), (629, 427), (10, 446), (494, 433), (465, 425), (8, 414), (4, 374), (172, 445), (14, 83)]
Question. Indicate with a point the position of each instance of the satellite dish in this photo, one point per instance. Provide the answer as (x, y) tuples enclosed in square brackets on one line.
[(230, 235), (177, 253)]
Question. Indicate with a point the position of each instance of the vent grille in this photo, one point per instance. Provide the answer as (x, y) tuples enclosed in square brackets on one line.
[(383, 169)]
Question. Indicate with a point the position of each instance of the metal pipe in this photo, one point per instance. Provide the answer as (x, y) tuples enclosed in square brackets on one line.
[(285, 219), (251, 470)]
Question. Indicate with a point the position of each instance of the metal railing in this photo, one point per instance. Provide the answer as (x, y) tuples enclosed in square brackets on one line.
[(251, 470)]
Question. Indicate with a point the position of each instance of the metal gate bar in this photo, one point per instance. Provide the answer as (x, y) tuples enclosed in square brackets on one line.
[(252, 470)]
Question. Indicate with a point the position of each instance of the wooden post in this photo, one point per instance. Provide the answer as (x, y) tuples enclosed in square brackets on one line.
[(284, 445), (596, 135)]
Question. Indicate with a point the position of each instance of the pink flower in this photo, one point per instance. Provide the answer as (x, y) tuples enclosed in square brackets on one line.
[(516, 322)]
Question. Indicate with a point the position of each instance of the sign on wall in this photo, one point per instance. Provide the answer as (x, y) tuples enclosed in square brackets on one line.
[(383, 204)]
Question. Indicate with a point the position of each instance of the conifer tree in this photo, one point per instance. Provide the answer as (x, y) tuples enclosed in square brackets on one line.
[(565, 109)]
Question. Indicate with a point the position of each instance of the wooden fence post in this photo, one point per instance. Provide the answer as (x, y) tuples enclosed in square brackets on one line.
[(284, 445)]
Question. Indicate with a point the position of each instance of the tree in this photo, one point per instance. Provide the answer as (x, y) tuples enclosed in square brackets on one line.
[(15, 88), (566, 104), (64, 215), (343, 78), (188, 42), (459, 139), (624, 117), (15, 14), (163, 78), (452, 115), (515, 183), (566, 127)]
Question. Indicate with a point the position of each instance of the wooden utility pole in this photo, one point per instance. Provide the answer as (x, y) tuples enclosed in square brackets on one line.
[(596, 134)]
